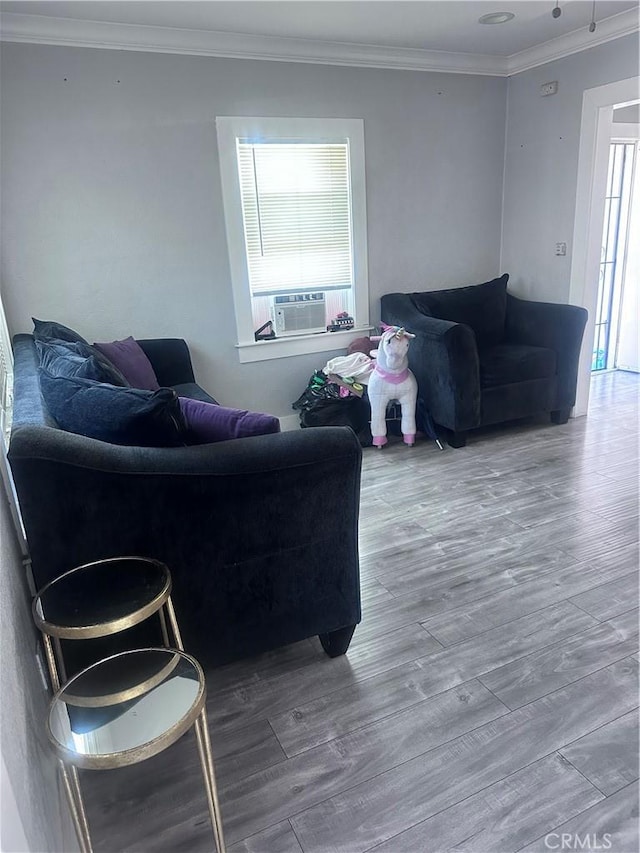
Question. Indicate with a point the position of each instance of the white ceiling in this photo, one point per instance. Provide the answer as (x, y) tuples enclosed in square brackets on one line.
[(448, 25), (428, 35)]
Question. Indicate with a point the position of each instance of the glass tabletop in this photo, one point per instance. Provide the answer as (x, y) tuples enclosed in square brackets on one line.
[(102, 598), (126, 708)]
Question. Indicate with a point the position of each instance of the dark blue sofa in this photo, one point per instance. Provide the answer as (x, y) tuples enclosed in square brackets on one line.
[(260, 534)]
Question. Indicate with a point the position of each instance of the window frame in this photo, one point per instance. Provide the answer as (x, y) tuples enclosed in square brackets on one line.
[(230, 128), (6, 418)]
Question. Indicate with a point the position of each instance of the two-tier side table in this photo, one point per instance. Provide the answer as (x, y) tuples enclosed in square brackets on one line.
[(131, 705)]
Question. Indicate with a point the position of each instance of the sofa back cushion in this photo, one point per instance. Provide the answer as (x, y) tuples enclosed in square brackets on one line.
[(49, 330), (126, 416), (64, 358), (58, 360), (483, 307)]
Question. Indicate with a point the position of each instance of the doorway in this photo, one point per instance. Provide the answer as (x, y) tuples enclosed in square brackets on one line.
[(595, 136), (616, 317)]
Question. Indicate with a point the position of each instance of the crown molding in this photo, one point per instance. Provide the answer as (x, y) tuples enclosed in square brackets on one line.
[(41, 29), (607, 30), (72, 32)]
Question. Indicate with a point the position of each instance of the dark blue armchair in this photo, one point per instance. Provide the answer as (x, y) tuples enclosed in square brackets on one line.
[(482, 356)]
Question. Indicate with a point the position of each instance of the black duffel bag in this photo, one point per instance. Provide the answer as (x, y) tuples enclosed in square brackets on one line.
[(320, 404)]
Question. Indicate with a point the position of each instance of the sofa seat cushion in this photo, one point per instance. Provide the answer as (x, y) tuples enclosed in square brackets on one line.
[(509, 363), (208, 422), (193, 391), (483, 307), (125, 416)]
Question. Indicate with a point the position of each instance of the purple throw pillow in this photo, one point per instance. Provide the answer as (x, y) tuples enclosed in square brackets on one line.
[(208, 422), (131, 360), (363, 345)]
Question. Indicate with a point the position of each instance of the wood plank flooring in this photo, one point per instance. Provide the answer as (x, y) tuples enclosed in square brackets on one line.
[(490, 695)]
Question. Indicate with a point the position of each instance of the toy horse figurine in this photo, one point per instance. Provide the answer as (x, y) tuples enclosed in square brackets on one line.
[(392, 380)]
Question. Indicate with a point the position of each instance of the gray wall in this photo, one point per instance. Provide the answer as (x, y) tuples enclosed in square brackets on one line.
[(541, 168), (111, 202), (29, 761)]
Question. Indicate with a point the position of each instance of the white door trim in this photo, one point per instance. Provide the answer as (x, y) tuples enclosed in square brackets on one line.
[(595, 134), (13, 834)]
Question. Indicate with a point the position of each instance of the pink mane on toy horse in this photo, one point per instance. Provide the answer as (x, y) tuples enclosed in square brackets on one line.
[(392, 380)]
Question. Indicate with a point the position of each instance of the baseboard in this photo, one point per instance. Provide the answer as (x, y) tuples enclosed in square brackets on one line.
[(289, 422)]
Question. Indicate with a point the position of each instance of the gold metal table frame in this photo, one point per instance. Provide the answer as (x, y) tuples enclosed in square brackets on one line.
[(53, 632), (70, 761)]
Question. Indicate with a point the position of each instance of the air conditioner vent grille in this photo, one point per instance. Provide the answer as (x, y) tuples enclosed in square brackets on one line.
[(298, 313)]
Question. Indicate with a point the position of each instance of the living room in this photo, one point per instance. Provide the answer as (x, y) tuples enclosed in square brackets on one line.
[(114, 223)]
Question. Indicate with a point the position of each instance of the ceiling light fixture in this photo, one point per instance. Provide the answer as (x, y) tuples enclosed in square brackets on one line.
[(557, 11), (496, 18)]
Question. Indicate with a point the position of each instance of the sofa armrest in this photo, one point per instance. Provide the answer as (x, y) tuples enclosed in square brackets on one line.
[(170, 360), (555, 326), (202, 510), (241, 456), (444, 359)]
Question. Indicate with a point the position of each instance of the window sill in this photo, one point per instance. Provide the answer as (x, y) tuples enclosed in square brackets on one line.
[(302, 345)]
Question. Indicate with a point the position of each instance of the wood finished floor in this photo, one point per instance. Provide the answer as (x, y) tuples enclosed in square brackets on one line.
[(489, 696)]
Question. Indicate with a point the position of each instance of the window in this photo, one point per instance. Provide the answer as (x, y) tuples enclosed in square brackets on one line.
[(6, 413), (6, 379), (294, 200)]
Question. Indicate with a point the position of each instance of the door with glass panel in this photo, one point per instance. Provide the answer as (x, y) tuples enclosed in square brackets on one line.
[(618, 282)]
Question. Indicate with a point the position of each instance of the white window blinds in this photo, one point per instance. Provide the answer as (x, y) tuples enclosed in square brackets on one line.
[(296, 206)]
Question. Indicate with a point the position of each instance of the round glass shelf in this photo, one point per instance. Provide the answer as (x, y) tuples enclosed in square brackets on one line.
[(126, 708), (102, 598)]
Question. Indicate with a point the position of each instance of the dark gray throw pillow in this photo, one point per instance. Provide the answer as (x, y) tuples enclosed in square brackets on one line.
[(49, 330), (126, 416)]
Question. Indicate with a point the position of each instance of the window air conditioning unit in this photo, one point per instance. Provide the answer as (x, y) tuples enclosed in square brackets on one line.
[(298, 313)]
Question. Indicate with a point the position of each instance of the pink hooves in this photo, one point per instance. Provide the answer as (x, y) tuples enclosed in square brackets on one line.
[(409, 439), (379, 440)]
